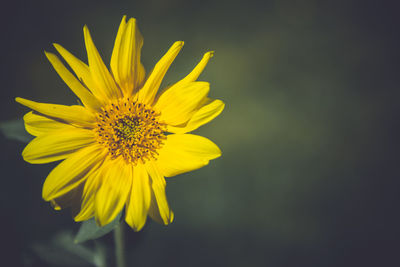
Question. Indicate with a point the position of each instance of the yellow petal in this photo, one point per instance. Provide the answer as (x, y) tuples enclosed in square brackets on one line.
[(191, 77), (57, 145), (88, 195), (185, 152), (147, 93), (81, 70), (159, 208), (99, 71), (36, 124), (116, 181), (114, 64), (80, 91), (139, 199), (72, 172), (202, 116), (71, 199), (154, 211), (178, 103), (125, 60), (76, 115), (117, 46)]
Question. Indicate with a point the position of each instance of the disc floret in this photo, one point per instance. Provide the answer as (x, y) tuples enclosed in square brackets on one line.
[(130, 129)]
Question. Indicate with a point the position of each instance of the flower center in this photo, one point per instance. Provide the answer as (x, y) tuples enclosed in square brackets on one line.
[(131, 130)]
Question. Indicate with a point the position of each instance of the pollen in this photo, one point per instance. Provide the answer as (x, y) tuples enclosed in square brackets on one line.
[(131, 130)]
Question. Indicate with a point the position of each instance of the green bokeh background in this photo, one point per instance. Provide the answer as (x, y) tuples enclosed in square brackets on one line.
[(309, 171)]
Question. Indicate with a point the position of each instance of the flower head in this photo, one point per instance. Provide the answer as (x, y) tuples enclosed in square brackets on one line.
[(118, 146)]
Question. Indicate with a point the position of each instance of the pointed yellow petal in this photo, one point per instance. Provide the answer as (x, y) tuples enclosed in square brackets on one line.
[(116, 181), (76, 115), (99, 71), (80, 91), (202, 116), (57, 145), (178, 103), (139, 199), (147, 93), (87, 210), (125, 60), (36, 124), (88, 195), (115, 53), (154, 211), (159, 206), (81, 70), (72, 172), (191, 77), (185, 152)]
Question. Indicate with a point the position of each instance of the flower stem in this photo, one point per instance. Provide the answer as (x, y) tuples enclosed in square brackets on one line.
[(119, 240)]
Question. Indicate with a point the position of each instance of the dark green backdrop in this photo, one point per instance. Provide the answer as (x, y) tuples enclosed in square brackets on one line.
[(309, 174)]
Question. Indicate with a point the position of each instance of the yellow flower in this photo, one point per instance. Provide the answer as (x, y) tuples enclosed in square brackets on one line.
[(115, 147)]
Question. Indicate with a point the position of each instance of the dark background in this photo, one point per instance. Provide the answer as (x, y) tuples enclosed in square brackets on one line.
[(309, 174)]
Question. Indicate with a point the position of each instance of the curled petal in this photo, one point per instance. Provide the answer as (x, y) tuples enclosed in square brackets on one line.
[(203, 115), (185, 152), (71, 199), (178, 103)]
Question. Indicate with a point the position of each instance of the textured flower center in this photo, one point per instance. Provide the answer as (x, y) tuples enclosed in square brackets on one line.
[(131, 130)]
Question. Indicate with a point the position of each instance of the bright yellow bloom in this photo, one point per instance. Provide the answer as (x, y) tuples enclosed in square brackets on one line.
[(115, 147)]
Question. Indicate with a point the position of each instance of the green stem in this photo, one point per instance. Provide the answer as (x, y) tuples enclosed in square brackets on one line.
[(120, 245)]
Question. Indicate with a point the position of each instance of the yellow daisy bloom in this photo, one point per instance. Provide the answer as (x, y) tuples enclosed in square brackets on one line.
[(118, 146)]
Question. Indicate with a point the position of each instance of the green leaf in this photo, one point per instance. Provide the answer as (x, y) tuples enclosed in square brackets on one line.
[(62, 251), (90, 230), (15, 130)]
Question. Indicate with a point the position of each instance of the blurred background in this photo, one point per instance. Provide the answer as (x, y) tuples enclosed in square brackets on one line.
[(309, 174)]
